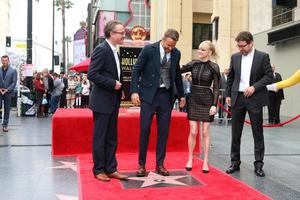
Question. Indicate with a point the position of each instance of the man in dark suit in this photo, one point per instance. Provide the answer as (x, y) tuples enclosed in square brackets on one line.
[(250, 72), (8, 81), (275, 99), (222, 88), (156, 79), (106, 74), (64, 80)]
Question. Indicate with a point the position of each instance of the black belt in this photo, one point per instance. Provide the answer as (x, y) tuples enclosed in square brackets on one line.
[(162, 89)]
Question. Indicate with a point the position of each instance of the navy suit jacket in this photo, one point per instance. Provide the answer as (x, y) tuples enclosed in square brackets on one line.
[(10, 80), (145, 78), (103, 73), (260, 76)]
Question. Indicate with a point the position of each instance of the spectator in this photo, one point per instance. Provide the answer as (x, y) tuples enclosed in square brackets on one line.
[(63, 96), (71, 92), (222, 88), (78, 90), (275, 98), (39, 94), (48, 85), (55, 95), (187, 85), (85, 91), (8, 81)]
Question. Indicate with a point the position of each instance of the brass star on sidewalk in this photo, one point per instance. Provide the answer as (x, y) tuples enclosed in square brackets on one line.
[(65, 197), (66, 165), (154, 179)]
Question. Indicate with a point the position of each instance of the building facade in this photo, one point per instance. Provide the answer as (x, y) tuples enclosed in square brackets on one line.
[(276, 30), (4, 23), (192, 19), (220, 21)]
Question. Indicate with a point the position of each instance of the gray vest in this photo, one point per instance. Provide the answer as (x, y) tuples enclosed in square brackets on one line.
[(165, 75)]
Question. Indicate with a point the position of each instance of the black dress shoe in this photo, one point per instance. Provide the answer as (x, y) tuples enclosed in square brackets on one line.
[(205, 171), (141, 171), (161, 170), (259, 172), (232, 169)]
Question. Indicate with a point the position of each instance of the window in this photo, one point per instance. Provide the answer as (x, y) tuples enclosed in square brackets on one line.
[(215, 28), (201, 32), (281, 15)]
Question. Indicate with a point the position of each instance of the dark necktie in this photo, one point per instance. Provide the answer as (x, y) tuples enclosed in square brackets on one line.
[(164, 59)]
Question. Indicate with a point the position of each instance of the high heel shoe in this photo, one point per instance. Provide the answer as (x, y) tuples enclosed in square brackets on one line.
[(205, 170), (188, 166)]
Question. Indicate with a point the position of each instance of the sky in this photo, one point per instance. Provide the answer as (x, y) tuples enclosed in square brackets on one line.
[(42, 26)]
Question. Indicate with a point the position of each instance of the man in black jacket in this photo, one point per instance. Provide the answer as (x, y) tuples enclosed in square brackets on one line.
[(250, 72), (275, 99), (106, 74)]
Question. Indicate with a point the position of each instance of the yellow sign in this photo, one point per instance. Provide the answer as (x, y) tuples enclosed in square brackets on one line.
[(21, 46)]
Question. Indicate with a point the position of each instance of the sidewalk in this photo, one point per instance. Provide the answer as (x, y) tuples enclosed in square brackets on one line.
[(29, 172)]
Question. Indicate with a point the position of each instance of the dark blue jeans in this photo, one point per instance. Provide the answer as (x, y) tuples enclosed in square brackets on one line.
[(6, 99), (54, 103)]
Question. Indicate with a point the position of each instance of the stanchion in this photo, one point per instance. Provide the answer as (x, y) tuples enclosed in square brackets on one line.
[(264, 125)]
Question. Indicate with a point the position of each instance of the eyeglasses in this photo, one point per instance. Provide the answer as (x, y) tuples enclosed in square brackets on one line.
[(121, 33), (242, 46)]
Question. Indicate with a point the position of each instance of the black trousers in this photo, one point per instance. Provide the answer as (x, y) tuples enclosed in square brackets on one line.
[(162, 107), (63, 100), (105, 142), (274, 110), (239, 110)]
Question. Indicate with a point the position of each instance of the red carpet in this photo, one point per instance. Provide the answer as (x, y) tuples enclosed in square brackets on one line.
[(72, 131), (215, 185)]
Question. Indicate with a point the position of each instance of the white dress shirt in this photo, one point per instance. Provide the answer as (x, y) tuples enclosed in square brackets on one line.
[(114, 49), (246, 65)]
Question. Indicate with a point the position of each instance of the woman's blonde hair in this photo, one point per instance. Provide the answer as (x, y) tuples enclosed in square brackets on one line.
[(211, 47)]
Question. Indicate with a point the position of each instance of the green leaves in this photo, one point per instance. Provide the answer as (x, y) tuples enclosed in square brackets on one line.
[(67, 4)]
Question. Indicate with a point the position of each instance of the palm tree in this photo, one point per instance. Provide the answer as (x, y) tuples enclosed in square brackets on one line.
[(68, 40), (63, 5)]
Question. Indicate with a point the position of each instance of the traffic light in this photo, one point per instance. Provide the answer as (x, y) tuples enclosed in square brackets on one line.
[(8, 41), (62, 67), (56, 59)]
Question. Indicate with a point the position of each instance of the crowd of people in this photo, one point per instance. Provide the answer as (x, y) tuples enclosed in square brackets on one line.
[(54, 90)]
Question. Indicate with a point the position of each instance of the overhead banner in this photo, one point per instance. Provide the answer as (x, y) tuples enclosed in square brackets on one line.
[(79, 46)]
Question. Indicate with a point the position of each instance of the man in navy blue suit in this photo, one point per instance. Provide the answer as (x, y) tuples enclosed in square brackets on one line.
[(156, 80), (8, 81), (106, 75)]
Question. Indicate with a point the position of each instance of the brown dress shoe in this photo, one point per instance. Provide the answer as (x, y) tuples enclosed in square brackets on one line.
[(118, 175), (162, 170), (102, 177), (141, 171)]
